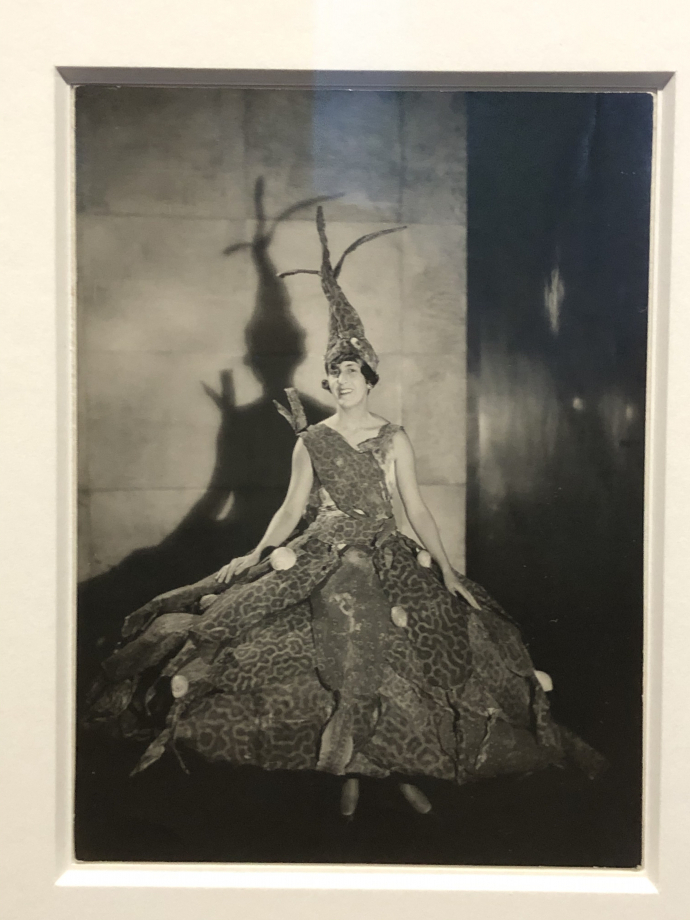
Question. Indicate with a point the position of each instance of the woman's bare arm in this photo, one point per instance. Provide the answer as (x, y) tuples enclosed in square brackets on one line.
[(286, 517), (419, 516)]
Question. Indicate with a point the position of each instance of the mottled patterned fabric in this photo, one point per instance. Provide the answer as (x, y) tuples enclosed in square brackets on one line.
[(355, 660)]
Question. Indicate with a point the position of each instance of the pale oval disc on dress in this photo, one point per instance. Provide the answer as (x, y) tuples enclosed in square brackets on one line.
[(283, 558), (545, 681), (179, 686), (399, 616)]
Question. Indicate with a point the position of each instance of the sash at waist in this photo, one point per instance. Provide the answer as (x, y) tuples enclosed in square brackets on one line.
[(337, 527)]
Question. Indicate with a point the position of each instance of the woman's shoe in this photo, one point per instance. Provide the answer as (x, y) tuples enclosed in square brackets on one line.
[(416, 798), (349, 797)]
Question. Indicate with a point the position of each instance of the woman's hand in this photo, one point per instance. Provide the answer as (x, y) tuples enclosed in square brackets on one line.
[(237, 566), (455, 586)]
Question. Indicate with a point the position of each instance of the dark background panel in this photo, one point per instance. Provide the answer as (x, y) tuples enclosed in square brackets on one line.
[(558, 242)]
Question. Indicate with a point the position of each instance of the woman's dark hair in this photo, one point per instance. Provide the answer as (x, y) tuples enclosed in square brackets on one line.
[(370, 375)]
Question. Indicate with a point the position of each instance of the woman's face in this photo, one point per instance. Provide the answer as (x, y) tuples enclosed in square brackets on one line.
[(347, 384)]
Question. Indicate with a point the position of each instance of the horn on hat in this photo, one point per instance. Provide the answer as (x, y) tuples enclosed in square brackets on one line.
[(345, 328)]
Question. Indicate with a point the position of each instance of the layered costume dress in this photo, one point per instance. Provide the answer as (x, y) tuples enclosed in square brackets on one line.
[(342, 651)]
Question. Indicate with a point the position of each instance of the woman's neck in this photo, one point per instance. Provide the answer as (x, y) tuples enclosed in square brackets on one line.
[(354, 419)]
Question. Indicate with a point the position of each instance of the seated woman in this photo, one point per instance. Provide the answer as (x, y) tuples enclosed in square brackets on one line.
[(347, 647)]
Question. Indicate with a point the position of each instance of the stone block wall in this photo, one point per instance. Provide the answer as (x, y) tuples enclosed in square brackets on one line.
[(166, 181)]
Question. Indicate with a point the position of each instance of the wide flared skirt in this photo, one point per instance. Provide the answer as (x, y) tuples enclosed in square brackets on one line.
[(354, 660)]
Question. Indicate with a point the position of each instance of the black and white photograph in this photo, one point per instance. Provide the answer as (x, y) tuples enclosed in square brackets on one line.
[(361, 385)]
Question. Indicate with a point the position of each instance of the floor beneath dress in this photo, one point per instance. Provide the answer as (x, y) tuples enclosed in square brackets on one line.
[(221, 814)]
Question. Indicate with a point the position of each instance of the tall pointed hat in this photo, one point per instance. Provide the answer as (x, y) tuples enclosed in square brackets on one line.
[(345, 329)]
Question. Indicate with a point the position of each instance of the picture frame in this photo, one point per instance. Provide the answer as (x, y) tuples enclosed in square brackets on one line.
[(42, 878)]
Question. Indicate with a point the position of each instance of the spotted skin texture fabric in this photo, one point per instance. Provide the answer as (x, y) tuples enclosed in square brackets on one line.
[(286, 645), (355, 660), (436, 621), (236, 611), (353, 477)]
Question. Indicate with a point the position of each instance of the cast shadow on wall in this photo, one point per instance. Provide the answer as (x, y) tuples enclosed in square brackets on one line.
[(251, 472)]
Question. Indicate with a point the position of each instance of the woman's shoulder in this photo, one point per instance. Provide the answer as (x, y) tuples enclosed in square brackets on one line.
[(393, 426), (396, 430), (400, 441), (388, 437), (391, 431)]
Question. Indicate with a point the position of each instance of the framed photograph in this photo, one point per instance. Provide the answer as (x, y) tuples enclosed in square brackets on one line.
[(361, 403)]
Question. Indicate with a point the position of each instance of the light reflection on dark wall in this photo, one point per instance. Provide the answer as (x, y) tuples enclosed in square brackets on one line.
[(558, 239)]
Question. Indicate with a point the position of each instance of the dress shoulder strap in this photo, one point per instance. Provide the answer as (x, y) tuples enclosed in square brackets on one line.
[(385, 436)]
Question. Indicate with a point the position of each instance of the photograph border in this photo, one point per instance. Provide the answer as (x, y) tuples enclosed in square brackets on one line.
[(38, 363)]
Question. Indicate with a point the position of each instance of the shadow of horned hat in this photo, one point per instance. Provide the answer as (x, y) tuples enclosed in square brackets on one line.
[(345, 329)]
